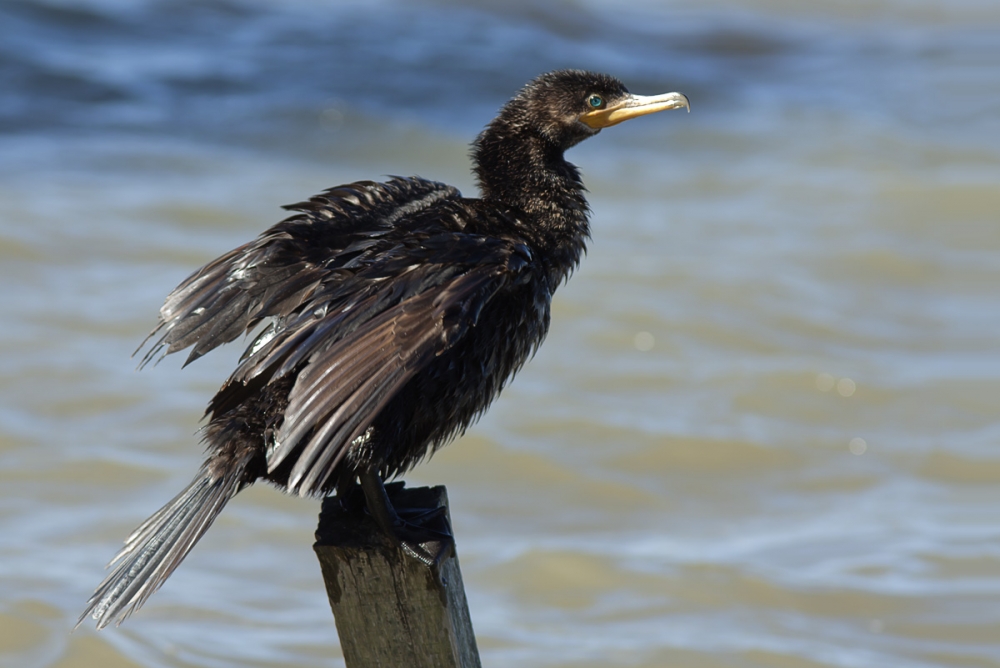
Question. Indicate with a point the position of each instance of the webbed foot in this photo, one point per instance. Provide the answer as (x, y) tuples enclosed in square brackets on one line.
[(423, 533)]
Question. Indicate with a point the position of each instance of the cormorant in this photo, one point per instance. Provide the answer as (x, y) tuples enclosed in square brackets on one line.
[(394, 314)]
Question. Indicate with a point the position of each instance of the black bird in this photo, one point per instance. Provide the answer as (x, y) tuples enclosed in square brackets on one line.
[(394, 314)]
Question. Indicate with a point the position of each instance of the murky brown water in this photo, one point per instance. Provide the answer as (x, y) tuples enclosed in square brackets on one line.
[(764, 429)]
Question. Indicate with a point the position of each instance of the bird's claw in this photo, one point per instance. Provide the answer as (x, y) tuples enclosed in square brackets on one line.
[(423, 534)]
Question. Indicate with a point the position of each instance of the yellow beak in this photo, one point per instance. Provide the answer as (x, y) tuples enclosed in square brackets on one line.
[(631, 107)]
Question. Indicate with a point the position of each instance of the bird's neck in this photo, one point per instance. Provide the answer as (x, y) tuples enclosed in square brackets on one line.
[(527, 177)]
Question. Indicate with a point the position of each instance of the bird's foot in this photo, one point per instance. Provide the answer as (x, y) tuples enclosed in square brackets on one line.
[(423, 533)]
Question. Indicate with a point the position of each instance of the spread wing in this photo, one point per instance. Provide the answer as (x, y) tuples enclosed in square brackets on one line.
[(341, 388), (352, 321), (275, 274), (372, 335)]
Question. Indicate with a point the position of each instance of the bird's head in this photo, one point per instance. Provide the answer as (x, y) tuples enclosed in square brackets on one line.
[(567, 106), (526, 141)]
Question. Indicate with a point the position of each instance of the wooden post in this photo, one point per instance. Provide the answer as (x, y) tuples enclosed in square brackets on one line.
[(392, 610)]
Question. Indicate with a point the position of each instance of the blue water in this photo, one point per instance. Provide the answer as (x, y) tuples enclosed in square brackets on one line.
[(764, 428)]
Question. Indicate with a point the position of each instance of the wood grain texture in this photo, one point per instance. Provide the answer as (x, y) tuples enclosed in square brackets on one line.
[(391, 609)]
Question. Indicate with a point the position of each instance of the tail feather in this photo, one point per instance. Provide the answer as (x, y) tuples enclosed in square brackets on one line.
[(158, 545)]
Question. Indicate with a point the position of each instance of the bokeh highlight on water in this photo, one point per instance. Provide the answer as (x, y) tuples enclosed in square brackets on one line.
[(764, 428)]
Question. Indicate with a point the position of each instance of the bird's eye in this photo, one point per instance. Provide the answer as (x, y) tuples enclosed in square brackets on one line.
[(596, 101)]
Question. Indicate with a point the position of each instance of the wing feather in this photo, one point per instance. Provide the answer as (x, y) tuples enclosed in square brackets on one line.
[(277, 273), (365, 287), (342, 389)]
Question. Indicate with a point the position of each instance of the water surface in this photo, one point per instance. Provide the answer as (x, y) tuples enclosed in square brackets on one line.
[(763, 430)]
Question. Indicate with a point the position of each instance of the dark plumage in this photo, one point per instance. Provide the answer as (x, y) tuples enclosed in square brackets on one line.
[(394, 314)]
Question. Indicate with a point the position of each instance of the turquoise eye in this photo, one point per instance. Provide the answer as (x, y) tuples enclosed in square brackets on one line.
[(596, 101)]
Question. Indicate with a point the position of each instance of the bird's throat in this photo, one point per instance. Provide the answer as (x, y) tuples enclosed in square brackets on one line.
[(527, 176)]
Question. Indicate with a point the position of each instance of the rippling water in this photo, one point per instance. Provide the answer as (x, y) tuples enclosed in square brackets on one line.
[(764, 429)]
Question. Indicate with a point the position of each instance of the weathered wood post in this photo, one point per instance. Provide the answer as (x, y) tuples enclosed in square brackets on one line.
[(392, 610)]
